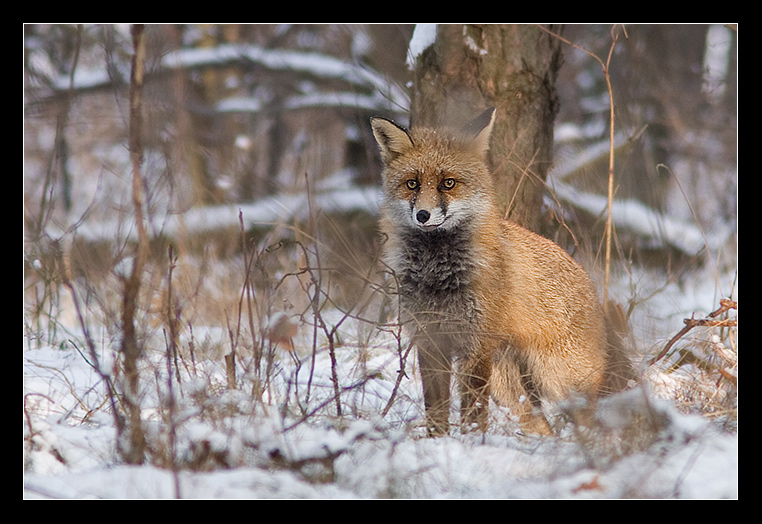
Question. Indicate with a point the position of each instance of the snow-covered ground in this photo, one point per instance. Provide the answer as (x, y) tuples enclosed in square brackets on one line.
[(369, 457), (242, 447)]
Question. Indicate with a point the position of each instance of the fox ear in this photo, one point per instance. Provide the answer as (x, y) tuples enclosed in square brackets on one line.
[(481, 128), (393, 140)]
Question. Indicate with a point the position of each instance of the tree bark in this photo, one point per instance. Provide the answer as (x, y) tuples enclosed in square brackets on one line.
[(512, 68), (132, 448)]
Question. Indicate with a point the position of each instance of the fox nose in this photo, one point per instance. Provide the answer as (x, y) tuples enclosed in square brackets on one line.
[(423, 216)]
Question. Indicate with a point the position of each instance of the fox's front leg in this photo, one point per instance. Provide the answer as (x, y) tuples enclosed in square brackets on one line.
[(436, 369), (474, 393)]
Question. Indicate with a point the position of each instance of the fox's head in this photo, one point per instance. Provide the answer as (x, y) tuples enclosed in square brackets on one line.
[(435, 178)]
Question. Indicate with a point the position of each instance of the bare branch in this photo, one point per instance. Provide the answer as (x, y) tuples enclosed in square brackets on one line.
[(690, 323)]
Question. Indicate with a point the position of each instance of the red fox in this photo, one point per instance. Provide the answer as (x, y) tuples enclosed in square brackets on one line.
[(511, 311)]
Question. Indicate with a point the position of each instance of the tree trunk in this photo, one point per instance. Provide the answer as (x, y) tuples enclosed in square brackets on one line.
[(133, 448), (512, 68)]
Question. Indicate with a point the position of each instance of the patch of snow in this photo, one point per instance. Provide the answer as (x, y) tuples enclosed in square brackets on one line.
[(423, 36)]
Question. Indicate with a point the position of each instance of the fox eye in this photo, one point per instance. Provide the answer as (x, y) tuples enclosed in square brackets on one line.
[(448, 183), (411, 184)]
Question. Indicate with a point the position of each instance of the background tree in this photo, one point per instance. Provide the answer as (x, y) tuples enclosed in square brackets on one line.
[(513, 68)]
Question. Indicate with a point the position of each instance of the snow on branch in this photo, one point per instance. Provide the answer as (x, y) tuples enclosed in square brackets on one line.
[(632, 215), (270, 210), (310, 63), (380, 93)]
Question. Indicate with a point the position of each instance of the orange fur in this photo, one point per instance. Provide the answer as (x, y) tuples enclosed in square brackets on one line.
[(511, 311)]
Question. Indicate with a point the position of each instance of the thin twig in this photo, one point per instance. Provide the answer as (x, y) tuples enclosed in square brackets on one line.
[(172, 317), (324, 403), (690, 323), (248, 292), (605, 66)]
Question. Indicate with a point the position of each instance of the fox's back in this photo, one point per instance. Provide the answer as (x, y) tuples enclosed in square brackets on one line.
[(553, 302)]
